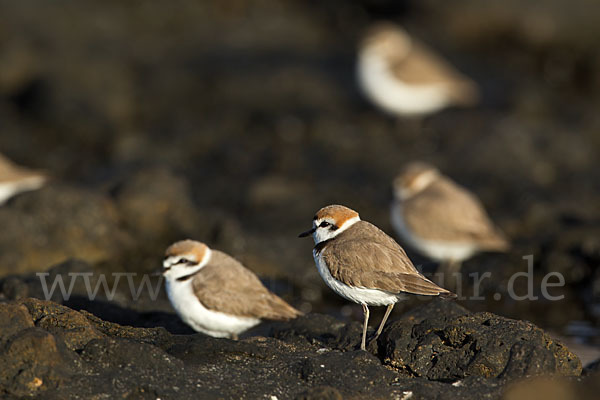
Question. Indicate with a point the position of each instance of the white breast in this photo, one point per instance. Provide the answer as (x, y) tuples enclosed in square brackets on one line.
[(394, 96), (435, 249), (360, 295), (193, 313)]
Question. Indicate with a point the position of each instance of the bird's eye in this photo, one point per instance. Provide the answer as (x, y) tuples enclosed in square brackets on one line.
[(324, 224), (183, 261)]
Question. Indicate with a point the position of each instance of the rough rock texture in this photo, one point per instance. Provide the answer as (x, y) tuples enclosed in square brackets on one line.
[(56, 352), (52, 351), (455, 344)]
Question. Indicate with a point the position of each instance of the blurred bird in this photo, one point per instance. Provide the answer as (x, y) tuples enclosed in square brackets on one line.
[(404, 78), (362, 264), (441, 219), (214, 294), (15, 179)]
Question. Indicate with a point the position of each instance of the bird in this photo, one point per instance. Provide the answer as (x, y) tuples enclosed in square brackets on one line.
[(15, 179), (362, 264), (441, 219), (215, 294), (404, 78)]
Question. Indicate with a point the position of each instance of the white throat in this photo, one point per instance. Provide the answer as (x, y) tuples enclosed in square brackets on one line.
[(176, 270), (322, 234)]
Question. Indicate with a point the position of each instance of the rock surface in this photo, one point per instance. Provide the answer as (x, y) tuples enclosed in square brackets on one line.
[(52, 351), (231, 122), (446, 342)]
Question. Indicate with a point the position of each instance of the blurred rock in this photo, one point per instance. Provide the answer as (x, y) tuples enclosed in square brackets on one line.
[(585, 388), (156, 206), (47, 226), (540, 23), (592, 368), (122, 297)]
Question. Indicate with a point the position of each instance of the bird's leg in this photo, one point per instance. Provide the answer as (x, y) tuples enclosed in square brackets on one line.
[(385, 317), (365, 325), (234, 336)]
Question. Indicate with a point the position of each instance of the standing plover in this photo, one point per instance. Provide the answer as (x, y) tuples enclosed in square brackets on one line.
[(214, 294), (15, 179), (404, 78), (362, 264), (440, 219)]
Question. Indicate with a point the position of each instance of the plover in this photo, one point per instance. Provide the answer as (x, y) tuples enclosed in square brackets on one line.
[(362, 264), (441, 219), (215, 294), (403, 77), (15, 179)]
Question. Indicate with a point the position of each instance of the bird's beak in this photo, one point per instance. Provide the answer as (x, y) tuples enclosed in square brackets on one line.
[(307, 233), (157, 272)]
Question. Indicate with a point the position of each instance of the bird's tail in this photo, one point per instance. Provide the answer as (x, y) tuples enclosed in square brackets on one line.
[(496, 242)]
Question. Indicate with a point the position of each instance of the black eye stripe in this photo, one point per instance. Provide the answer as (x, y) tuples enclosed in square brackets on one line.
[(184, 261), (326, 224)]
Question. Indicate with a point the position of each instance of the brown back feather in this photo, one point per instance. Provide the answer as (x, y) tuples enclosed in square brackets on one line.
[(447, 212), (422, 66), (384, 264), (220, 285)]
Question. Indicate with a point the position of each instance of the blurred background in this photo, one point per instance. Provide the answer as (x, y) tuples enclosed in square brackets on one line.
[(232, 122)]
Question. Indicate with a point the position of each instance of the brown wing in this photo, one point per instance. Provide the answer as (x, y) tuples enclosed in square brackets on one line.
[(422, 66), (445, 211), (365, 256), (220, 285)]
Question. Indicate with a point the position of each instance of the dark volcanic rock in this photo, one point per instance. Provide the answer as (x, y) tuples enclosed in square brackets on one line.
[(592, 368), (47, 226), (96, 290), (77, 354), (52, 351), (322, 330), (321, 393), (443, 341), (156, 205), (33, 360), (439, 350)]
